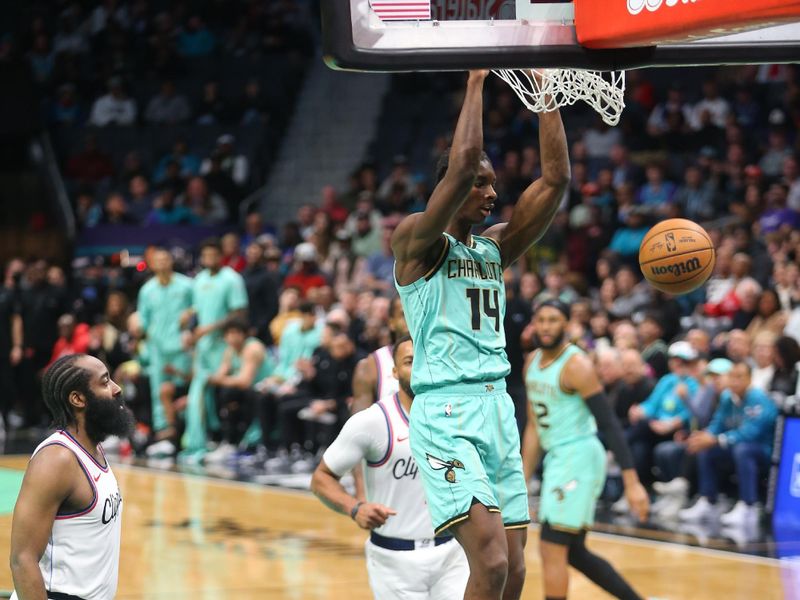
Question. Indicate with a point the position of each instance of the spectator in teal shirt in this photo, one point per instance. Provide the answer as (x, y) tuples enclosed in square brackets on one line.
[(665, 411), (738, 439)]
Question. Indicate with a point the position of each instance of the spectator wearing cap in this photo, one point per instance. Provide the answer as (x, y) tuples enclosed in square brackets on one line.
[(235, 165), (651, 338), (114, 108), (739, 439), (306, 274), (167, 107), (670, 456), (665, 411)]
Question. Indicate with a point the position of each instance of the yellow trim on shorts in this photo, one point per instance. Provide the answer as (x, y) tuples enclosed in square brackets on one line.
[(448, 524), (520, 525)]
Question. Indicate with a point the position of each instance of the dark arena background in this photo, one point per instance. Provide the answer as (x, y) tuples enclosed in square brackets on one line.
[(130, 127)]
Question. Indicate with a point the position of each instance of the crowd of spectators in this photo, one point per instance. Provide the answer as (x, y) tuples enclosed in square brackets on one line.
[(697, 380), (143, 65)]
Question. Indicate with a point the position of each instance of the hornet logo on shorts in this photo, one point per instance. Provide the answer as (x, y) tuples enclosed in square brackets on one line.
[(438, 464), (560, 492)]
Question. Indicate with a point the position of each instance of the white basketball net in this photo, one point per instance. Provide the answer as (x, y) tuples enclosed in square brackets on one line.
[(553, 88)]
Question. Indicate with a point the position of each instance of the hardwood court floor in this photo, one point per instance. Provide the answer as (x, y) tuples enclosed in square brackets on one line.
[(188, 537)]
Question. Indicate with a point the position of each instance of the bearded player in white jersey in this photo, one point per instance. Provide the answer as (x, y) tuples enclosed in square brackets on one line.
[(404, 558), (65, 533)]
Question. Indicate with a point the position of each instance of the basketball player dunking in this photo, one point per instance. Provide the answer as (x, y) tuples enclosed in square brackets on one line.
[(464, 435), (404, 558), (65, 533), (567, 406)]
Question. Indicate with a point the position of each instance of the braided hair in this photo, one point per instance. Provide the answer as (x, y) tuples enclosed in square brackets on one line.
[(59, 381)]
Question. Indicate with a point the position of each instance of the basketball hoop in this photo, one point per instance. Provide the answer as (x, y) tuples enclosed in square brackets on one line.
[(550, 89)]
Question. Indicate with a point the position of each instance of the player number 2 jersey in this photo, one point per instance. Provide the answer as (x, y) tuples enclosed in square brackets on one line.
[(455, 317), (561, 416)]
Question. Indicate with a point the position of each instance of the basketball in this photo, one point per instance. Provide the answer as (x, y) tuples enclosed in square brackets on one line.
[(677, 256)]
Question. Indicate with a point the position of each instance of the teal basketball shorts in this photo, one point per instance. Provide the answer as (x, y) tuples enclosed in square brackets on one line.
[(466, 444), (574, 474)]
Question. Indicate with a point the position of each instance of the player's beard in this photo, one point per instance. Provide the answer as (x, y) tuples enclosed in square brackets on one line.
[(107, 417), (554, 344), (405, 385)]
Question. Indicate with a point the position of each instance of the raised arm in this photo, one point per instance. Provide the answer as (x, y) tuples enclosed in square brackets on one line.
[(539, 202), (418, 237)]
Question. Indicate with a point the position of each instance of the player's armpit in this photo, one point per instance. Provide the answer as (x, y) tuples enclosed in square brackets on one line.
[(48, 483)]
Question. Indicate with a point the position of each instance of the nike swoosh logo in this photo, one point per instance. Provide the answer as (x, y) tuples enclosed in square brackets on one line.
[(402, 439), (96, 479)]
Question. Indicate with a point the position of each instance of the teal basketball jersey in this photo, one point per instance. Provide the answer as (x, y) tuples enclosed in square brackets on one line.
[(455, 317), (561, 417)]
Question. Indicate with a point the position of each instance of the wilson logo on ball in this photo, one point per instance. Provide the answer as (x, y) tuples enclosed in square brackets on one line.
[(680, 268)]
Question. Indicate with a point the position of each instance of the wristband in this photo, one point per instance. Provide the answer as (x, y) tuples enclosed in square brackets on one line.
[(354, 510)]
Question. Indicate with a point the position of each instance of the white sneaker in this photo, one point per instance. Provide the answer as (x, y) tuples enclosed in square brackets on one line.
[(677, 487), (160, 449), (621, 506), (221, 453), (740, 515), (702, 510), (659, 503), (671, 508)]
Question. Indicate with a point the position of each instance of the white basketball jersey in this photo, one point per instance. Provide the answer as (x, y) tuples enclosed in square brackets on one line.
[(384, 362), (82, 554), (395, 481)]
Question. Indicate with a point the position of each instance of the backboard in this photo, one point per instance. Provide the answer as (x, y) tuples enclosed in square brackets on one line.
[(463, 34)]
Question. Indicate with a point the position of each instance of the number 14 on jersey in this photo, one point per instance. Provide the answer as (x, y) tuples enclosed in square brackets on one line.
[(486, 301)]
